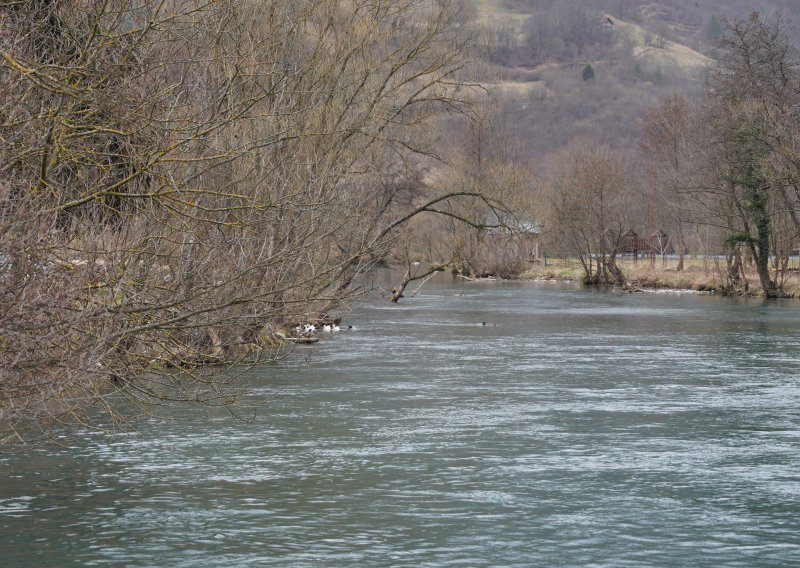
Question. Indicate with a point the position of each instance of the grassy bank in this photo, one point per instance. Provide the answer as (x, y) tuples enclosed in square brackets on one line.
[(697, 275)]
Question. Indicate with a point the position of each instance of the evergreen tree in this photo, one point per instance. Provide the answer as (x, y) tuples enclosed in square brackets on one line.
[(588, 73), (713, 28)]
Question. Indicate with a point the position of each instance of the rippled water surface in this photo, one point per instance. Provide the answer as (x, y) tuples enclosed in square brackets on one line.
[(575, 428)]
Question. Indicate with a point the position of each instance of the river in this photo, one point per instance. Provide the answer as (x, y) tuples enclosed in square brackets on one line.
[(574, 428)]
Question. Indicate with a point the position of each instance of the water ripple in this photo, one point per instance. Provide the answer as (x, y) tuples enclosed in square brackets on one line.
[(574, 429)]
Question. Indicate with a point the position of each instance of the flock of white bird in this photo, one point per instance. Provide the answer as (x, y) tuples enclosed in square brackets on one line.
[(309, 328)]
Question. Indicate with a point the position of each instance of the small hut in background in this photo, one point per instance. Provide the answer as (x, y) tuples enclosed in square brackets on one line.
[(517, 236), (658, 243)]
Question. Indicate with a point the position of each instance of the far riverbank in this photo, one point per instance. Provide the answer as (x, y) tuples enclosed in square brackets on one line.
[(698, 275)]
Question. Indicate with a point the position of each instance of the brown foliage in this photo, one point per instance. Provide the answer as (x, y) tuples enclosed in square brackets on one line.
[(180, 180)]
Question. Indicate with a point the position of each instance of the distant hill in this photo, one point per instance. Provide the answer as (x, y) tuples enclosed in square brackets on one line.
[(533, 54)]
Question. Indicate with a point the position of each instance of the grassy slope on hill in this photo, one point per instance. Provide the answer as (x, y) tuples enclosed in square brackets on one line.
[(672, 53), (547, 104)]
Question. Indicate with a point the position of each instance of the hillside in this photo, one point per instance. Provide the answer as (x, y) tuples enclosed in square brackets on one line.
[(535, 52)]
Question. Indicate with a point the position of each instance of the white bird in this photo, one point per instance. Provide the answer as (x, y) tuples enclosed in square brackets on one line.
[(326, 327), (335, 327)]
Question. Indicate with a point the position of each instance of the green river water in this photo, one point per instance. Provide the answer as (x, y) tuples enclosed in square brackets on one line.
[(575, 428)]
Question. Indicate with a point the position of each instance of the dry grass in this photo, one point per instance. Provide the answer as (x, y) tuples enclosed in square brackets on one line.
[(697, 275), (493, 11), (556, 269), (660, 274), (671, 57), (516, 88), (671, 54)]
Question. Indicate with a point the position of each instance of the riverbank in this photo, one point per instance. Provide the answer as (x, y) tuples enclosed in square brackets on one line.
[(697, 275)]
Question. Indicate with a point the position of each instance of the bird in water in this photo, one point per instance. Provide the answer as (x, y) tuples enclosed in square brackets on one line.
[(305, 329)]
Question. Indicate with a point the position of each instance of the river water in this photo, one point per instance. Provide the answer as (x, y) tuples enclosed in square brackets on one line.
[(575, 428)]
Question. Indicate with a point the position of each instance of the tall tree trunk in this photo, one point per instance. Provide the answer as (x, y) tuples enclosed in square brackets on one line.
[(616, 272), (760, 250), (681, 247)]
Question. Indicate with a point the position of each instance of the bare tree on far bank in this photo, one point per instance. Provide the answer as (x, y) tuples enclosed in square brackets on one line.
[(590, 200), (734, 163)]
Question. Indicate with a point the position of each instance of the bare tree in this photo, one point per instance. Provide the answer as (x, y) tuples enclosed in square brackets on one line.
[(182, 181), (733, 157), (590, 208), (480, 237), (670, 155)]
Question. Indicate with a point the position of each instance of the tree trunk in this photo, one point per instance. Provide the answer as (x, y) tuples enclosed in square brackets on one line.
[(681, 248), (768, 285), (397, 293), (616, 272), (760, 251)]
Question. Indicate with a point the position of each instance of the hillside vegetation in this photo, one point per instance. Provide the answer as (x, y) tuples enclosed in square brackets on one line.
[(537, 52)]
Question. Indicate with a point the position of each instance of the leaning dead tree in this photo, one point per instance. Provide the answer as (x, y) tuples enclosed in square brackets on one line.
[(180, 179)]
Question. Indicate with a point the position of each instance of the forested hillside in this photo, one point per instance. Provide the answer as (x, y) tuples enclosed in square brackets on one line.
[(536, 51)]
